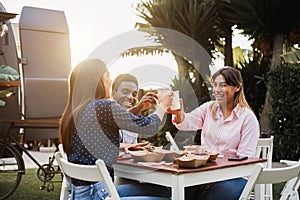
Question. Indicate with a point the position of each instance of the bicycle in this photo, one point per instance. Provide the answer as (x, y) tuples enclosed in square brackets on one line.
[(12, 167)]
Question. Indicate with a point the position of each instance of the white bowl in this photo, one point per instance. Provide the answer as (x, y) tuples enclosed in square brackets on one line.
[(145, 156)]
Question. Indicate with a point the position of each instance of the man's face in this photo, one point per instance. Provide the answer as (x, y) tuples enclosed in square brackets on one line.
[(126, 94)]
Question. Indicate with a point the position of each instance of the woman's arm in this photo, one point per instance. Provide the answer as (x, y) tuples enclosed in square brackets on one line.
[(249, 136), (190, 121)]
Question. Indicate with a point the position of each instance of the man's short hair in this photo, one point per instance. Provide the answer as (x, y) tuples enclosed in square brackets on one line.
[(123, 78)]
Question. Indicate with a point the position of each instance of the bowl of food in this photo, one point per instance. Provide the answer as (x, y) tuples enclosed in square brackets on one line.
[(192, 147), (213, 156), (171, 155), (192, 160), (146, 156)]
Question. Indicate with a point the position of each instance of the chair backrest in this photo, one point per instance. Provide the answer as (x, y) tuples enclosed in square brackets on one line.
[(65, 191), (264, 149), (93, 173), (269, 176), (62, 152), (172, 141), (291, 187)]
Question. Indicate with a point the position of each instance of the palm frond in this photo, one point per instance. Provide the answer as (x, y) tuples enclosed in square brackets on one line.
[(194, 18), (291, 57)]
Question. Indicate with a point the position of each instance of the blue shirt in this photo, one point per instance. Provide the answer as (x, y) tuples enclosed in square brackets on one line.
[(97, 133)]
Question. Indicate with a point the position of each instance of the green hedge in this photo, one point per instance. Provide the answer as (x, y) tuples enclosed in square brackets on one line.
[(284, 90)]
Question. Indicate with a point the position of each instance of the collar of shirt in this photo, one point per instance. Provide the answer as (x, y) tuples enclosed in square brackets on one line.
[(237, 111)]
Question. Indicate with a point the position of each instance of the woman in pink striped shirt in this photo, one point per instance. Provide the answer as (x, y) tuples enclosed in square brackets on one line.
[(228, 126)]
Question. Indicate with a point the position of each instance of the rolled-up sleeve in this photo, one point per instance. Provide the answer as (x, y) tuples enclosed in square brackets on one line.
[(193, 120)]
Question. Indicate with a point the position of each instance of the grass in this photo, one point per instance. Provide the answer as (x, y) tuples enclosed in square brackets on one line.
[(29, 188)]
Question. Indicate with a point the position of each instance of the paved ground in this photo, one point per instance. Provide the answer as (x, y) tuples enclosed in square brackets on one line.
[(41, 157)]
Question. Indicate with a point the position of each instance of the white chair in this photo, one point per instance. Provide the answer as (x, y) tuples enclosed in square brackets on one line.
[(289, 162), (65, 191), (263, 175), (291, 188), (93, 173), (264, 149), (172, 141)]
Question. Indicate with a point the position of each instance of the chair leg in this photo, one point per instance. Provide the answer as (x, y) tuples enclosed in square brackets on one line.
[(289, 191), (259, 191), (65, 190), (269, 192)]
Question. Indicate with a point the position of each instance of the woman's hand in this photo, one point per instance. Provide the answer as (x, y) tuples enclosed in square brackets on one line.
[(179, 114)]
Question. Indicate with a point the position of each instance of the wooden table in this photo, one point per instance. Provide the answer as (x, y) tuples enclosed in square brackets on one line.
[(10, 83), (178, 178)]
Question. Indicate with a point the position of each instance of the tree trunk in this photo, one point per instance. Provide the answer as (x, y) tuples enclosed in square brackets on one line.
[(182, 66), (228, 61), (277, 51)]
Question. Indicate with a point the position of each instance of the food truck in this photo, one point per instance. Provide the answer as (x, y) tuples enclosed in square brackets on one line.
[(38, 48)]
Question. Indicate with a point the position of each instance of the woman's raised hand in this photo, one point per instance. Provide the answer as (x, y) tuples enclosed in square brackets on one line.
[(179, 114)]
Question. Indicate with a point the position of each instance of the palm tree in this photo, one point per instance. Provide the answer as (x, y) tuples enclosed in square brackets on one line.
[(270, 23), (196, 19), (196, 24)]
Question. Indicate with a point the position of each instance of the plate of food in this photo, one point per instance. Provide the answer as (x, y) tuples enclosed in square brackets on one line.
[(147, 156), (192, 160), (212, 155), (192, 147), (142, 146), (170, 155)]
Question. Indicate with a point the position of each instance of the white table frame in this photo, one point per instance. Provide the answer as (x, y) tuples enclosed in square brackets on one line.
[(178, 182)]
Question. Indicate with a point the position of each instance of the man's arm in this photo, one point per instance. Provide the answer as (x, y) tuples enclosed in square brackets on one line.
[(145, 103)]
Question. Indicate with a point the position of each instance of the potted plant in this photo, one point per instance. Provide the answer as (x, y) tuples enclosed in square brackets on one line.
[(7, 74)]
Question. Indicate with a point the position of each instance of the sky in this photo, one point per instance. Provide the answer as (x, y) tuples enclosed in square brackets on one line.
[(93, 22)]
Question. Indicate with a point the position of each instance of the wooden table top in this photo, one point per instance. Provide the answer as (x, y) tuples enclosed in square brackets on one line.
[(219, 163)]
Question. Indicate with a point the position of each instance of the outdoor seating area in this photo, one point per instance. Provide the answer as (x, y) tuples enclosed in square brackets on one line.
[(259, 186), (87, 107)]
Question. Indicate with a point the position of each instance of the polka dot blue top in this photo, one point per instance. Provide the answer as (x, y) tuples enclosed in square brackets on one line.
[(97, 133)]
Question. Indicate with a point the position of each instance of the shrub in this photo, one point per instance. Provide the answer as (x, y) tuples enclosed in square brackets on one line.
[(284, 91)]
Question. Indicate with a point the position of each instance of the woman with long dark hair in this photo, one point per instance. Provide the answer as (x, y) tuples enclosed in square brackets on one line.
[(90, 129)]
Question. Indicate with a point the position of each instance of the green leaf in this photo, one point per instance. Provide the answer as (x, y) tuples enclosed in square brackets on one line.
[(291, 57), (2, 103), (3, 93), (8, 73)]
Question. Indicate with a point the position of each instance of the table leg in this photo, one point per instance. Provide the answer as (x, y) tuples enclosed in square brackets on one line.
[(179, 190)]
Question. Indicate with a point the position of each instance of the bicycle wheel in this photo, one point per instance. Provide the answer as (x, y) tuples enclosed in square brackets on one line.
[(11, 169)]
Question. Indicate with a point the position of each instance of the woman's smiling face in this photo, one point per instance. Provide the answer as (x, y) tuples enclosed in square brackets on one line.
[(223, 92)]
